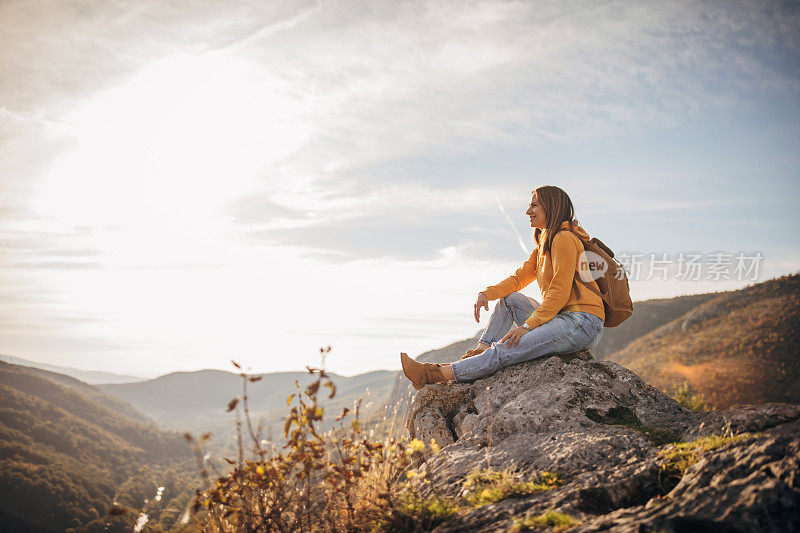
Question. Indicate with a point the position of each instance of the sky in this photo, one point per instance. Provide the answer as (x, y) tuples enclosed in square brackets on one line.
[(186, 183)]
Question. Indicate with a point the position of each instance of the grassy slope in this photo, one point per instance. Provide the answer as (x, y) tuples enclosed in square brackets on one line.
[(739, 347), (647, 316)]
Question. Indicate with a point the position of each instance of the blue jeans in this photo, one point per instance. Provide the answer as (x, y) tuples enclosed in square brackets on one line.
[(568, 331)]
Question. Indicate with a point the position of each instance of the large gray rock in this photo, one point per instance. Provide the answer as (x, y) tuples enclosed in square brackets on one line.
[(601, 428)]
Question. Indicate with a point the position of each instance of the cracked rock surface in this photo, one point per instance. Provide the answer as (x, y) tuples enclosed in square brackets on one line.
[(608, 434)]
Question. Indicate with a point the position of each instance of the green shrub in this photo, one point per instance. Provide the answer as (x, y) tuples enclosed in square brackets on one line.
[(683, 395), (482, 487), (624, 416), (413, 513), (679, 457)]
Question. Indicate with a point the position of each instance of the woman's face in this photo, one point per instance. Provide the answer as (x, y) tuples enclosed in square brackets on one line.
[(536, 213)]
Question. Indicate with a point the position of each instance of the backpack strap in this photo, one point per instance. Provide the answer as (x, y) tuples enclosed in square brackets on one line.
[(576, 275), (586, 284)]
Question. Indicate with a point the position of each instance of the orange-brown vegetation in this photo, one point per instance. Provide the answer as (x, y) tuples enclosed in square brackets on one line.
[(341, 480)]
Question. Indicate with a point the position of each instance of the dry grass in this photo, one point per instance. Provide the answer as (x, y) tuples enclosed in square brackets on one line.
[(679, 457), (549, 520), (341, 480)]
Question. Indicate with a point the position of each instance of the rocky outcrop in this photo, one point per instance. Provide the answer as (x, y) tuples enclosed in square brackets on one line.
[(608, 434)]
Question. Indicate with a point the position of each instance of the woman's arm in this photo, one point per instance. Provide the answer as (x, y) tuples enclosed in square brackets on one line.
[(523, 277), (564, 253)]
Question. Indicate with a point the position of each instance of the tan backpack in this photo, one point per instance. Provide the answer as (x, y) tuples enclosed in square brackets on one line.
[(613, 284)]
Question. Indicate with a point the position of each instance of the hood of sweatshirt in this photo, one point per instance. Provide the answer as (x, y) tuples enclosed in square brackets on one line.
[(576, 229)]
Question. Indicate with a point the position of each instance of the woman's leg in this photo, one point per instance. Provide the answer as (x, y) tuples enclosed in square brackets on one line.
[(564, 333), (515, 308)]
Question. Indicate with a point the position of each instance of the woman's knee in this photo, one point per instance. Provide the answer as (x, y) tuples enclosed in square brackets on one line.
[(504, 304), (514, 298)]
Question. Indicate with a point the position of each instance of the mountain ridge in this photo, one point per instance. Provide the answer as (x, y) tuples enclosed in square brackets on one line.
[(196, 400), (92, 377)]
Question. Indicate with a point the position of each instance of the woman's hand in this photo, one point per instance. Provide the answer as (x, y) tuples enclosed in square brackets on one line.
[(482, 301), (514, 336)]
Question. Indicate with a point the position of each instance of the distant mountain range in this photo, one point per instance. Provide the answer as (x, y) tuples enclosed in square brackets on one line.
[(89, 392), (197, 401), (91, 377)]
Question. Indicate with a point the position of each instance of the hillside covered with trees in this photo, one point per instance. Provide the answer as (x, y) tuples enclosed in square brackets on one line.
[(65, 459)]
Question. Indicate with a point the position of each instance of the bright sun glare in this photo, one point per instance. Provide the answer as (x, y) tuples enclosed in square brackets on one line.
[(165, 150)]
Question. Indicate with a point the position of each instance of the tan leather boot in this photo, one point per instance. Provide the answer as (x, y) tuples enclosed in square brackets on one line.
[(421, 374)]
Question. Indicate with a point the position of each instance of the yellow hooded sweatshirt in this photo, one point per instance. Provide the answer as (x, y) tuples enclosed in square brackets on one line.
[(554, 272)]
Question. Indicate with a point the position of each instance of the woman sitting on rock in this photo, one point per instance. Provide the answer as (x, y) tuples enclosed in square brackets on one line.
[(569, 318)]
